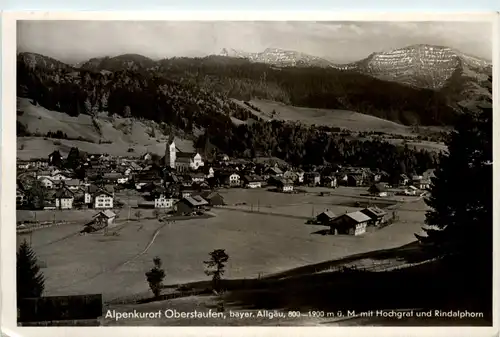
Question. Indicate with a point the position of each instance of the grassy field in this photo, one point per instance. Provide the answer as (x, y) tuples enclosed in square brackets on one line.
[(116, 134), (257, 244), (338, 118), (341, 118), (349, 120)]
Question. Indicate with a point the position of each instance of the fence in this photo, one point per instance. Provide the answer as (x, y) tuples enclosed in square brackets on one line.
[(374, 266), (42, 225), (261, 212)]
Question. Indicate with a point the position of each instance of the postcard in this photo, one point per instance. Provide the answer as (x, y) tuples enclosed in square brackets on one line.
[(206, 171)]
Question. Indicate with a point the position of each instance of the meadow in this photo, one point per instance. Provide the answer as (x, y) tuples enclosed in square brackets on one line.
[(258, 245)]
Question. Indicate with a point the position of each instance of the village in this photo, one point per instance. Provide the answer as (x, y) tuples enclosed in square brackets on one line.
[(188, 186)]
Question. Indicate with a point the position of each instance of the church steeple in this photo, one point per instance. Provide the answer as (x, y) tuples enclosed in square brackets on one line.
[(170, 152)]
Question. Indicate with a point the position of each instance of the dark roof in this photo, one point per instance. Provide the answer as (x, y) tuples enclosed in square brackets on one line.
[(107, 214), (185, 155), (374, 212), (194, 201), (252, 178), (378, 188), (328, 213), (64, 193)]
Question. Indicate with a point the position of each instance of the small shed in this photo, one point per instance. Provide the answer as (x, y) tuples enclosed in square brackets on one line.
[(376, 215), (325, 217), (105, 218), (191, 204), (378, 189)]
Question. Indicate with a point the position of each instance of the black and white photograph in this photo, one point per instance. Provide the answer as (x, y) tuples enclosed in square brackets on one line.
[(254, 173)]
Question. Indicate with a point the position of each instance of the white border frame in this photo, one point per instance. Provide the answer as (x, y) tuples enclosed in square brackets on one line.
[(8, 169)]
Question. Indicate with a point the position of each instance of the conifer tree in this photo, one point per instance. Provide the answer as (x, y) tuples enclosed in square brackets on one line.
[(155, 277), (30, 281), (461, 199)]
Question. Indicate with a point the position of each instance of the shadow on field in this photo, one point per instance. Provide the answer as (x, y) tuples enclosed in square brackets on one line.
[(322, 232), (370, 203), (436, 285), (429, 287), (409, 253)]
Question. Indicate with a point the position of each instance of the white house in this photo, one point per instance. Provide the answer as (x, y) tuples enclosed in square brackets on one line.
[(64, 198), (122, 180), (284, 185), (23, 166), (46, 182), (234, 179), (252, 181), (162, 201), (103, 199), (211, 173), (59, 177)]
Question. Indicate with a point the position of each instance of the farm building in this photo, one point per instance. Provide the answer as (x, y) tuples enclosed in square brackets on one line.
[(376, 215), (330, 181), (73, 184), (411, 190), (355, 180), (291, 175), (103, 219), (354, 223), (106, 218), (285, 185), (312, 178), (421, 183), (252, 181), (46, 182), (274, 171), (325, 217), (381, 176), (213, 198), (190, 204), (64, 198), (378, 189), (403, 179)]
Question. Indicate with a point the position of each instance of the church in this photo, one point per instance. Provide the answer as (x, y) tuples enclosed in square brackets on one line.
[(179, 160)]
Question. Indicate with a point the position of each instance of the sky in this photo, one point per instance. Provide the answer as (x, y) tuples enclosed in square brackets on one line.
[(342, 42)]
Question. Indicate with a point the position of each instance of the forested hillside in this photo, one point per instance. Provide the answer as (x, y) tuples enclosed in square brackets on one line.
[(302, 86), (185, 102)]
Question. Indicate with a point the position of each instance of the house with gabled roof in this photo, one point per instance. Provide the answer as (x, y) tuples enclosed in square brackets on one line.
[(64, 198), (191, 204), (378, 189), (376, 215), (353, 223), (325, 217)]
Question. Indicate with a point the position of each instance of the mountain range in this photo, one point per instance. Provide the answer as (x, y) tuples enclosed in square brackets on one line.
[(419, 84), (424, 66)]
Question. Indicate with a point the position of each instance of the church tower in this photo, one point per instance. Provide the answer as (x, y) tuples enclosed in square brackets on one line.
[(170, 153)]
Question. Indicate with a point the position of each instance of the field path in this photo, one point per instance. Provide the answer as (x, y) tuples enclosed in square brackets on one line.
[(120, 264), (145, 249)]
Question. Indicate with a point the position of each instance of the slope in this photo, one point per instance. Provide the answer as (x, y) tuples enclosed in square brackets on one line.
[(114, 135), (342, 119)]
